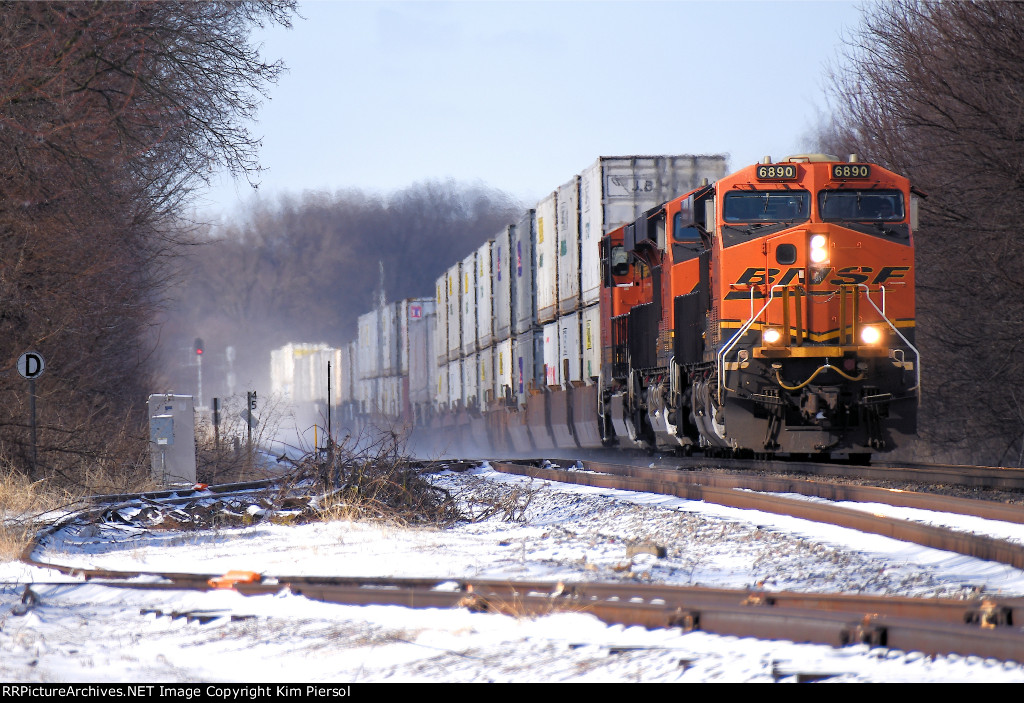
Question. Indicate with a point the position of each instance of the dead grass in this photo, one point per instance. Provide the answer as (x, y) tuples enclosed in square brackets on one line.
[(22, 502)]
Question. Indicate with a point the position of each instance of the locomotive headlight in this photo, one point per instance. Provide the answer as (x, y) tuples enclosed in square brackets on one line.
[(870, 334), (819, 249), (771, 335)]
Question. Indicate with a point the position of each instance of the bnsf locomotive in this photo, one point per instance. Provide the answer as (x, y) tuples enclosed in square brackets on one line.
[(772, 311)]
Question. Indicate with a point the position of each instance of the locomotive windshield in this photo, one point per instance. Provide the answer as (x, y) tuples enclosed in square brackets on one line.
[(767, 206), (861, 205)]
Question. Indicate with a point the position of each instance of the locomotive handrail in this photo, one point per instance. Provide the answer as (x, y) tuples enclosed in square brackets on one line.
[(734, 340), (917, 354)]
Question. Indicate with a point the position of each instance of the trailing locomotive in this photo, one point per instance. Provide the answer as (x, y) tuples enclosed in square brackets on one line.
[(769, 311)]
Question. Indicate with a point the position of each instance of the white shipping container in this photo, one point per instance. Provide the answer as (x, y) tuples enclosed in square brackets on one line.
[(569, 246), (418, 348), (502, 271), (503, 368), (468, 342), (470, 382), (550, 355), (441, 323), (365, 395), (484, 296), (282, 371), (570, 356), (616, 190), (455, 395), (346, 385), (311, 373), (546, 255), (590, 333), (369, 345), (527, 364), (379, 396), (389, 339), (441, 397), (455, 311), (298, 372), (485, 377), (524, 302), (391, 397), (338, 375)]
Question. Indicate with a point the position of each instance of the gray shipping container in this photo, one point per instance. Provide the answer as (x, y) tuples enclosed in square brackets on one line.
[(501, 284), (524, 304), (616, 190)]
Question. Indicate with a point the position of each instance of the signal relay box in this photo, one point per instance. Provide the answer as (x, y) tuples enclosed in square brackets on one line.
[(172, 439)]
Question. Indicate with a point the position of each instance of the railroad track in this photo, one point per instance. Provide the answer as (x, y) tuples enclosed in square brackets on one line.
[(753, 492), (986, 627)]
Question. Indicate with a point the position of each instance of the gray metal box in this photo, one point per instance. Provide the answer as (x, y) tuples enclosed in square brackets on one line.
[(172, 435)]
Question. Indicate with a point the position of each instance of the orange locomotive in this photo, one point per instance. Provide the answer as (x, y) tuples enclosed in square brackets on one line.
[(772, 311)]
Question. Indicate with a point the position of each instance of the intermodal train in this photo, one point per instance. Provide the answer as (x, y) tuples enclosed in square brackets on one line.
[(658, 303)]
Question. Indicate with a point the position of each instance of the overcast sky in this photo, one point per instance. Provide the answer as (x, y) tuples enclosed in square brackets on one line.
[(522, 95)]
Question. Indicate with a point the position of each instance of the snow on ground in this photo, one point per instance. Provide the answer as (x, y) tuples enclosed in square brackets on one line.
[(91, 633)]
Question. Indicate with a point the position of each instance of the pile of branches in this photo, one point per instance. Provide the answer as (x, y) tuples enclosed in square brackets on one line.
[(373, 477)]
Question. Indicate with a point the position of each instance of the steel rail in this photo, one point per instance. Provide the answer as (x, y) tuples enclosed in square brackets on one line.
[(979, 477), (819, 618), (979, 546), (990, 510), (976, 477)]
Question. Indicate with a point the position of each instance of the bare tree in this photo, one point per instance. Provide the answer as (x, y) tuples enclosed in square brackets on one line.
[(111, 113), (936, 91), (304, 269)]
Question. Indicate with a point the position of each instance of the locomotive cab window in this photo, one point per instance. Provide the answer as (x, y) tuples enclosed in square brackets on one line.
[(620, 261), (687, 240), (767, 206), (683, 233), (861, 205)]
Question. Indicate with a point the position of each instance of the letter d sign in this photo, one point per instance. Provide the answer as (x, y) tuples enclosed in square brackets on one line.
[(31, 365)]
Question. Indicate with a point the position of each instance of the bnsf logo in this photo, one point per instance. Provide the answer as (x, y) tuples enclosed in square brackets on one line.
[(849, 275)]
